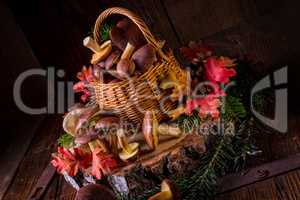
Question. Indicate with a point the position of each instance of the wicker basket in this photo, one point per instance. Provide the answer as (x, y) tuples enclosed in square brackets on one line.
[(131, 98)]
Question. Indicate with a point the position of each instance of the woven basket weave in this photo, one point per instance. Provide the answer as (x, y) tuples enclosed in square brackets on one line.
[(130, 98)]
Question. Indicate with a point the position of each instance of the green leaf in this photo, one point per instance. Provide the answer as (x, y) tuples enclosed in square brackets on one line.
[(66, 140), (105, 29)]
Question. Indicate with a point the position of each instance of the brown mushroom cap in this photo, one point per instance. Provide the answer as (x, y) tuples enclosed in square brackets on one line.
[(124, 24), (144, 57), (86, 138), (150, 125), (108, 122), (125, 68), (95, 192), (118, 38), (114, 81), (131, 32)]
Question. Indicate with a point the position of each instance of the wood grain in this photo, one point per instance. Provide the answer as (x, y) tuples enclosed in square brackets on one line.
[(284, 187), (35, 160), (194, 19)]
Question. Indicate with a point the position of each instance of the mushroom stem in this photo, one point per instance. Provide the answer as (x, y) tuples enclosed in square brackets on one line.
[(128, 150), (170, 130), (128, 51), (91, 44), (123, 142)]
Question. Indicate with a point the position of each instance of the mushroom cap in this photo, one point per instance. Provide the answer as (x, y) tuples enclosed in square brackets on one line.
[(108, 122), (114, 81), (124, 24), (134, 35), (144, 57), (125, 68), (169, 129), (73, 120), (124, 155), (104, 51), (118, 38), (95, 192), (150, 125), (84, 139), (112, 59), (126, 29)]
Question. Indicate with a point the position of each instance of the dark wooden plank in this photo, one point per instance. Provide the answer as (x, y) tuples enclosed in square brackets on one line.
[(284, 187), (195, 19), (16, 57), (36, 159), (259, 173)]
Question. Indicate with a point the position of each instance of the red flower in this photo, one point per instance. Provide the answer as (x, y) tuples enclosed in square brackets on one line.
[(102, 163), (217, 71), (85, 77), (65, 161), (86, 74), (209, 105), (79, 87)]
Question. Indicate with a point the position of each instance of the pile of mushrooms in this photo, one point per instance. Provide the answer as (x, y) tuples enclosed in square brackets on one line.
[(89, 126), (126, 54)]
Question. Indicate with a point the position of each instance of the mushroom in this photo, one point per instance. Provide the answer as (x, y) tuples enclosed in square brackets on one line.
[(109, 122), (150, 125), (128, 150), (98, 72), (100, 52), (85, 117), (125, 68), (124, 32), (134, 39), (86, 138), (168, 191), (144, 57), (113, 144), (118, 38), (152, 130), (112, 59), (95, 191), (74, 120), (124, 23), (114, 81), (169, 129)]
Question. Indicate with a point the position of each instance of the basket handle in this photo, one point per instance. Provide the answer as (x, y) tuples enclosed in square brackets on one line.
[(133, 17)]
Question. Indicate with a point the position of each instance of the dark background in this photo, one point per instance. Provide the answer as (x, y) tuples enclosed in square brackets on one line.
[(43, 33)]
